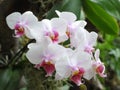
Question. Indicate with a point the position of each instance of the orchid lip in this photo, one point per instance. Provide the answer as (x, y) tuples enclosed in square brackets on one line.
[(19, 30), (77, 75), (53, 35), (100, 70), (48, 67)]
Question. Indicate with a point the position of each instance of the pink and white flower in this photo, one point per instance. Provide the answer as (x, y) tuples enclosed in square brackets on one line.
[(45, 55), (74, 67), (75, 29), (54, 29), (21, 22), (98, 65), (88, 41)]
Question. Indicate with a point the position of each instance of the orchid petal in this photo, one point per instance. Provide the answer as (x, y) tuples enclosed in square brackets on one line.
[(12, 19), (58, 12), (68, 16), (78, 39), (29, 18), (55, 47), (37, 31), (58, 77), (28, 33), (93, 38), (62, 67), (47, 25), (80, 23), (62, 38), (59, 25), (89, 74), (34, 54), (82, 59), (97, 54)]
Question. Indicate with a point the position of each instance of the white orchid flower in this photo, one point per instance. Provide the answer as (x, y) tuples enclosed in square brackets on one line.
[(98, 65), (75, 29), (74, 67), (45, 55), (54, 29), (88, 41), (21, 22)]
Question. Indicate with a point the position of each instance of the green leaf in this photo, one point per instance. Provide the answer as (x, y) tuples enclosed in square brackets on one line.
[(73, 6), (100, 18), (51, 13), (111, 6), (66, 5), (5, 75), (9, 79)]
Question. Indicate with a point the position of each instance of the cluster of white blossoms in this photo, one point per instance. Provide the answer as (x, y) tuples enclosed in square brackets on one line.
[(76, 60)]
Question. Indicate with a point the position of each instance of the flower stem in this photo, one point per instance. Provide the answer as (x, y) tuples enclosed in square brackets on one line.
[(19, 54)]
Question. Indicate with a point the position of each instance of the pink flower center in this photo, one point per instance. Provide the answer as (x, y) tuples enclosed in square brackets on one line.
[(19, 29), (53, 35), (77, 75), (100, 69), (89, 49), (48, 67)]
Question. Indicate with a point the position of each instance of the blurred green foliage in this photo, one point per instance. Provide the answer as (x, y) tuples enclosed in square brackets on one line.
[(9, 78), (110, 55), (110, 52)]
